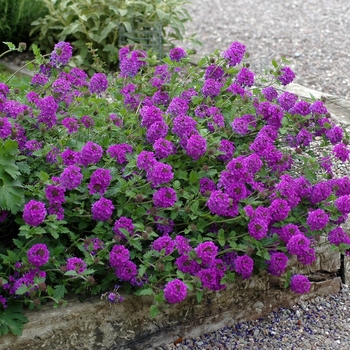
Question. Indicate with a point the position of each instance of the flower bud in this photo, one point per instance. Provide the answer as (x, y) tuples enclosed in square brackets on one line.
[(91, 280), (42, 286), (16, 91), (149, 229), (63, 268), (298, 150), (187, 209), (160, 267), (37, 302), (345, 141), (145, 236), (22, 46), (139, 198), (212, 60), (193, 227), (323, 99), (205, 167), (153, 211)]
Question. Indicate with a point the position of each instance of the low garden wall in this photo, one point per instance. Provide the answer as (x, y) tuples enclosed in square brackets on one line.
[(95, 325)]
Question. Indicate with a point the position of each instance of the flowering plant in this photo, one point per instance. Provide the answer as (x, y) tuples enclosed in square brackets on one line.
[(163, 178)]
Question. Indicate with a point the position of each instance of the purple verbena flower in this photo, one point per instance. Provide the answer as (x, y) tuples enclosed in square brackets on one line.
[(61, 54), (234, 54), (119, 152), (177, 53), (175, 291), (164, 242), (196, 146), (99, 181), (164, 197), (244, 265), (34, 213), (91, 153), (207, 252), (76, 264), (71, 177), (98, 83), (38, 255), (300, 284), (277, 264), (287, 76), (317, 219), (102, 209)]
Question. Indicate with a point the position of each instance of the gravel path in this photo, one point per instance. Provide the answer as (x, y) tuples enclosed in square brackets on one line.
[(312, 34)]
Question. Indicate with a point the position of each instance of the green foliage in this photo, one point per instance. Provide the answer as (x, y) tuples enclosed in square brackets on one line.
[(108, 24), (12, 319), (11, 188), (16, 18)]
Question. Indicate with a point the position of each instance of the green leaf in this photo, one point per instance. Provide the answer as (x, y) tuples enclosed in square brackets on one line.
[(60, 291), (154, 311), (221, 238), (22, 289), (146, 291), (199, 295), (11, 46), (12, 319), (274, 63)]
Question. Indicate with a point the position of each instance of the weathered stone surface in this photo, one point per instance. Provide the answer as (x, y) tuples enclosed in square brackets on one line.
[(96, 326)]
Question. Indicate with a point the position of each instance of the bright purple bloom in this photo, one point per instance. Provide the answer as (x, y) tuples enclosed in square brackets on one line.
[(163, 148), (123, 223), (287, 100), (244, 124), (237, 89), (126, 271), (4, 90), (161, 98), (76, 264), (87, 121), (287, 76), (244, 266), (320, 192), (164, 242), (156, 131), (207, 252), (220, 203), (343, 204), (245, 77), (196, 146), (175, 291), (98, 83), (258, 228), (70, 157), (211, 88), (304, 138), (301, 107), (214, 72), (92, 245), (300, 284), (270, 93), (119, 152), (61, 54), (277, 263), (39, 79), (317, 219), (211, 278), (160, 174), (5, 128), (187, 265), (335, 134), (118, 255), (206, 186), (164, 225), (177, 106), (184, 126), (102, 209), (71, 124), (150, 115), (99, 181), (91, 153), (338, 236), (182, 244), (228, 148), (71, 177), (318, 107), (234, 54), (297, 244), (341, 151), (38, 255), (56, 209), (288, 231), (177, 53), (279, 209), (146, 161), (164, 197), (34, 213), (55, 194)]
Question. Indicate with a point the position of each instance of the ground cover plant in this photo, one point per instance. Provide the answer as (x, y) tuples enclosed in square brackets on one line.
[(161, 179)]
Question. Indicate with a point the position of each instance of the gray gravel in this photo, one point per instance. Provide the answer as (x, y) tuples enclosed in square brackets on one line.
[(312, 34)]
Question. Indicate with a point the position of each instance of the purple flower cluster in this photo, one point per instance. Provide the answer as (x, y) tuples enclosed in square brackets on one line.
[(287, 76), (38, 255), (277, 264), (164, 197), (244, 265), (338, 236), (207, 252), (76, 264), (175, 291), (300, 284), (227, 148), (211, 88), (102, 209), (244, 124), (234, 54), (206, 186), (71, 124), (163, 148), (99, 181), (317, 219), (5, 128), (299, 245), (164, 242), (61, 54), (91, 153), (196, 146), (93, 245), (71, 177), (131, 61), (245, 77), (98, 83), (270, 93), (34, 213), (214, 72), (177, 54), (123, 223), (119, 152)]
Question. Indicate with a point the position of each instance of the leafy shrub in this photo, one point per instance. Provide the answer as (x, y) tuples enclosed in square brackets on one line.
[(16, 18), (100, 22), (163, 178)]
